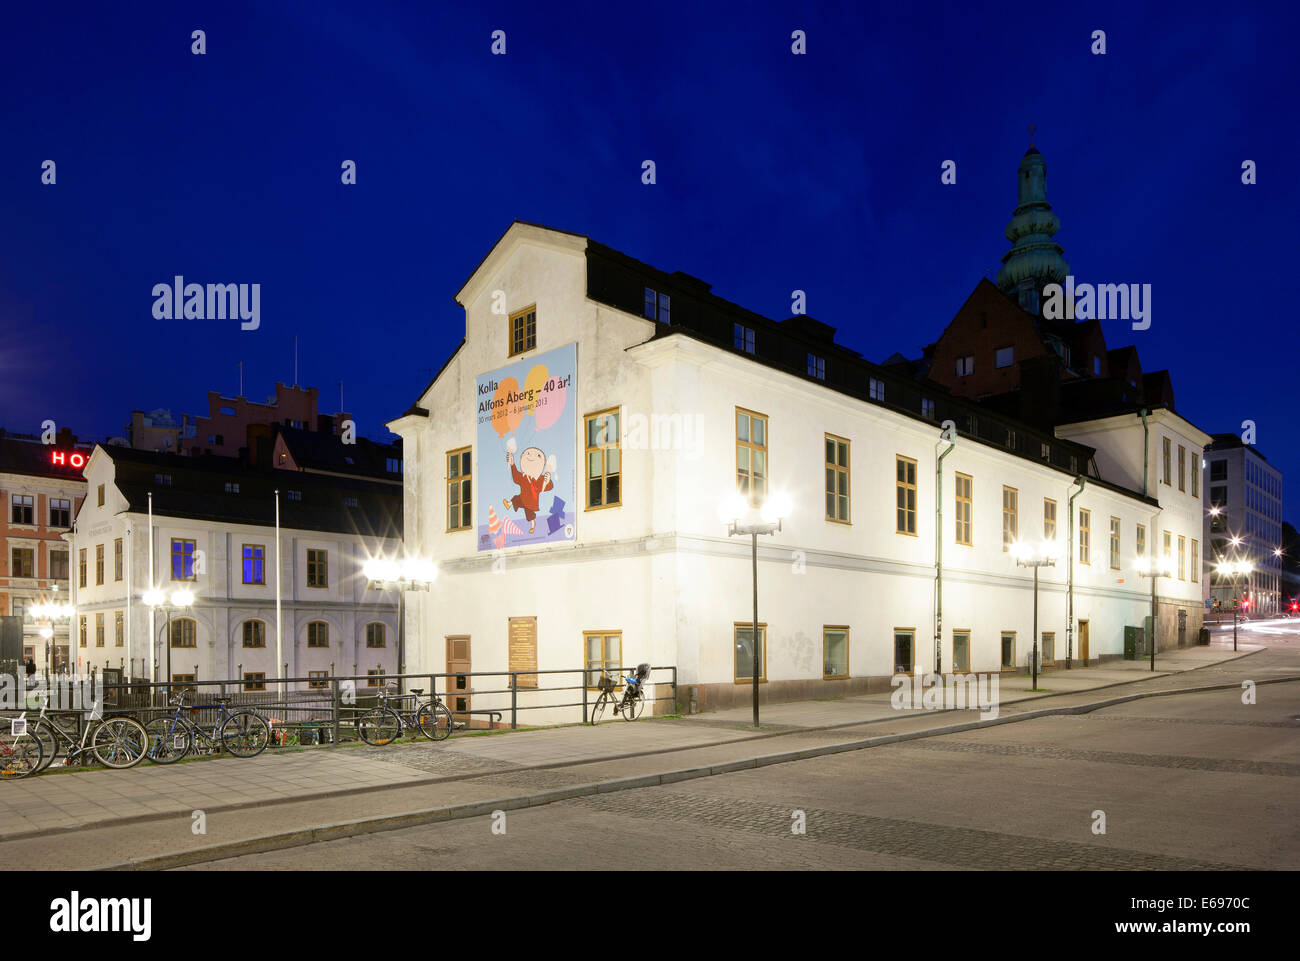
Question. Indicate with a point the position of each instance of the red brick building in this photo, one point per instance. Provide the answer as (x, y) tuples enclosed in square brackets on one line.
[(41, 488)]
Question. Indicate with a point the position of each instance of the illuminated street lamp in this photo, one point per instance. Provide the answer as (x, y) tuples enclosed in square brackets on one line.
[(181, 599), (741, 518), (1027, 554), (1234, 569), (408, 574), (51, 611), (1154, 567)]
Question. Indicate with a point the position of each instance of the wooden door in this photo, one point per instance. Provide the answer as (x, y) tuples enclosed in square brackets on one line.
[(458, 686), (1083, 642)]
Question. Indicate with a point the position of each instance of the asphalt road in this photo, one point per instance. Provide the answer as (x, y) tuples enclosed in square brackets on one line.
[(1191, 781)]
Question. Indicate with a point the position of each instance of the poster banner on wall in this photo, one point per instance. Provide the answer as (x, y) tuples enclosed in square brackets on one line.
[(526, 472)]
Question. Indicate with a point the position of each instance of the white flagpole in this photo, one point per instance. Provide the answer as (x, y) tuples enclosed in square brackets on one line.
[(130, 662), (153, 659), (279, 647)]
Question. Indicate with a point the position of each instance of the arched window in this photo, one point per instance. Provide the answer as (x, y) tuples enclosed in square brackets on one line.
[(375, 635), (254, 634), (318, 634), (183, 632)]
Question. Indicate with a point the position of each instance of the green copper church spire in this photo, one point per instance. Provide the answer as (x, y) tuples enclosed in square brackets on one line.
[(1034, 259)]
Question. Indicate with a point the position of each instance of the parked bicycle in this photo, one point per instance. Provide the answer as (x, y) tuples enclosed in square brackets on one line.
[(283, 734), (398, 713), (632, 703), (243, 733), (117, 742), (21, 753)]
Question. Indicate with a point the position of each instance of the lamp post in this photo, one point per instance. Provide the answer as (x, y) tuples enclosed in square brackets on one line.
[(408, 574), (1153, 567), (51, 611), (180, 600), (1039, 555), (1234, 569), (742, 518)]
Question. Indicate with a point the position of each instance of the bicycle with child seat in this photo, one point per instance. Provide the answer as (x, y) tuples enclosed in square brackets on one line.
[(398, 713), (630, 705), (116, 742), (21, 754), (242, 733)]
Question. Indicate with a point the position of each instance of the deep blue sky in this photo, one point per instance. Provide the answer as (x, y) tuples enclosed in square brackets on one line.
[(775, 172)]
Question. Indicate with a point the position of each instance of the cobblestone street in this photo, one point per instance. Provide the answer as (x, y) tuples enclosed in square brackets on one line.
[(1205, 785)]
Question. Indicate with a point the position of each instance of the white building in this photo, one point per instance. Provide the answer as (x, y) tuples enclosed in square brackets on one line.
[(697, 396), (213, 533), (1244, 523)]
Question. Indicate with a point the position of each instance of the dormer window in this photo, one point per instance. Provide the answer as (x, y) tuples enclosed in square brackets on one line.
[(523, 331), (742, 338), (658, 306), (927, 408), (816, 366)]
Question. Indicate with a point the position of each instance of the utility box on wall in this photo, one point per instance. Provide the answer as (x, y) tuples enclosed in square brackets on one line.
[(1133, 643)]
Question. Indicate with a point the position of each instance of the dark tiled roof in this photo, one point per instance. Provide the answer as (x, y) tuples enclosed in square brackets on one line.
[(322, 451), (198, 490), (33, 458)]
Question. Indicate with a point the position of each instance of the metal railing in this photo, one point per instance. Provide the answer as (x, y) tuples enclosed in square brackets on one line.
[(334, 703)]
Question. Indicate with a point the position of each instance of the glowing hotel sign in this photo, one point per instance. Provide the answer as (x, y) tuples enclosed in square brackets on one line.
[(61, 458)]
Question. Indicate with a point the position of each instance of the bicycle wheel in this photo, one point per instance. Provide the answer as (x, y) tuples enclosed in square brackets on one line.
[(379, 727), (245, 734), (120, 742), (600, 707), (434, 721), (20, 755), (632, 707), (49, 742), (169, 740)]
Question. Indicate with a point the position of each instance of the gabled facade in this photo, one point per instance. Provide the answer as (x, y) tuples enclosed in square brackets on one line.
[(699, 398)]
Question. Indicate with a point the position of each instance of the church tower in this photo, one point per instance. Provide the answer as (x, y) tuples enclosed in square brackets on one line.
[(1034, 259)]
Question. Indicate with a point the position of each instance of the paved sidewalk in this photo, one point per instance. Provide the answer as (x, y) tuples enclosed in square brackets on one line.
[(81, 799)]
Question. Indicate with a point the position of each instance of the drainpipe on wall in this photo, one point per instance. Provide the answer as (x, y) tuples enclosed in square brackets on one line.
[(938, 556), (1069, 593), (1146, 448)]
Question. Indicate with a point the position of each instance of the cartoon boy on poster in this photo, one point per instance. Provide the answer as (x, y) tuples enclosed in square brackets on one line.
[(533, 475)]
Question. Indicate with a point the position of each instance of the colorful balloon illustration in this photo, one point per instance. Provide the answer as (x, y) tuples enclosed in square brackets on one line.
[(533, 384), (506, 417), (549, 412)]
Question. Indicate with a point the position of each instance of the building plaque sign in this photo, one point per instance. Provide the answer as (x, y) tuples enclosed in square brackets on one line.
[(523, 649)]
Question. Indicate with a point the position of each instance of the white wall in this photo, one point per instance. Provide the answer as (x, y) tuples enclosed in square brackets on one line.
[(661, 568)]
